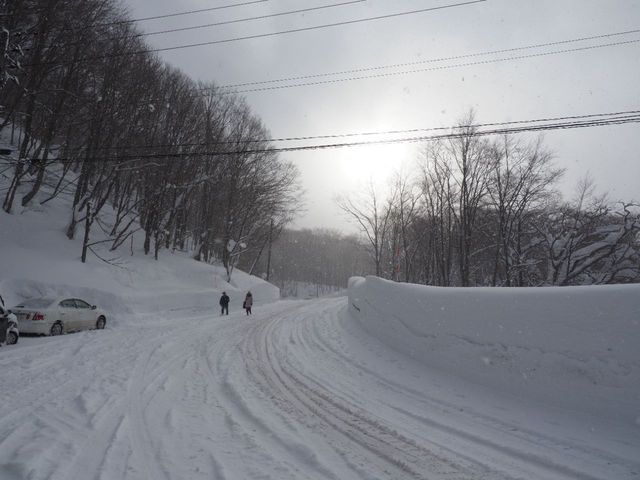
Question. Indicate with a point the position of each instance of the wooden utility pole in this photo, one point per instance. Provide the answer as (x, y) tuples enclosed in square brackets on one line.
[(269, 253), (87, 226)]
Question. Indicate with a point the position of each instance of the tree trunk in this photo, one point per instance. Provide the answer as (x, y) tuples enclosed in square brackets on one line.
[(87, 228)]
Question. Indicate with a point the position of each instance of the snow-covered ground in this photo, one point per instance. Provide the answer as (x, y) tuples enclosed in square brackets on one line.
[(297, 391), (393, 382)]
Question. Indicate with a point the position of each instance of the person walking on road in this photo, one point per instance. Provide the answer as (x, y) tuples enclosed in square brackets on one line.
[(224, 303), (248, 303)]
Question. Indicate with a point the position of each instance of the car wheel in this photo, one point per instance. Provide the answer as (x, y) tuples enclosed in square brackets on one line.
[(101, 322), (56, 329), (12, 338)]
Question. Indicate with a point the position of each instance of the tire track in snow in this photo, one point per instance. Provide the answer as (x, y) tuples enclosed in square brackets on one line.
[(292, 453), (147, 375), (529, 451), (358, 431), (88, 461), (96, 435), (47, 393), (141, 442), (106, 422), (42, 389)]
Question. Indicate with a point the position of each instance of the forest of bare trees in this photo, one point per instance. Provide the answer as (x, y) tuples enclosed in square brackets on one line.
[(310, 262), (486, 211), (98, 118)]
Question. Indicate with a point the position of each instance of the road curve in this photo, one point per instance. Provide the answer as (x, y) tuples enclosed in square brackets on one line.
[(296, 391)]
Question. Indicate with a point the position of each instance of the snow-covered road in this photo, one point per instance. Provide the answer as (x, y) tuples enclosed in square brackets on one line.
[(296, 391)]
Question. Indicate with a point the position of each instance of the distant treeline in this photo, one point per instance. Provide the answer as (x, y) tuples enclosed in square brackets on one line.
[(98, 118), (310, 261)]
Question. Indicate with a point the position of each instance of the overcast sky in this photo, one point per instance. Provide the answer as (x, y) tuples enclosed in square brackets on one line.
[(593, 81)]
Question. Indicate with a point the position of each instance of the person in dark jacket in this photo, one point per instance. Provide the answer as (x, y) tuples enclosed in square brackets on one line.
[(224, 303), (248, 302)]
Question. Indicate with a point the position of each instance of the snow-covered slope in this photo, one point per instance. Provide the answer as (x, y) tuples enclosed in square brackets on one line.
[(576, 347), (37, 259)]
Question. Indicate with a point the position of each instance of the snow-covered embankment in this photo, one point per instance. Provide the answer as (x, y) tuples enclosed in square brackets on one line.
[(38, 260), (571, 347)]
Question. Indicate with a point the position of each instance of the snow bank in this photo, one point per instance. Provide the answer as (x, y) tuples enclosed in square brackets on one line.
[(576, 347)]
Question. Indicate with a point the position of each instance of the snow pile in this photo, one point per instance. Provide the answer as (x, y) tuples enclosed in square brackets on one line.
[(576, 347)]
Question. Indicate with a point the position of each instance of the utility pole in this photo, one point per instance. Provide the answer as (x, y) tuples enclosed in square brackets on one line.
[(269, 253), (87, 226)]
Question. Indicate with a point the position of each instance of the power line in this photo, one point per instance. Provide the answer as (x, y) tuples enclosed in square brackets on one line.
[(593, 116), (228, 22), (249, 19), (504, 131), (216, 89), (593, 122), (432, 60), (431, 69), (207, 90), (178, 14), (317, 27), (264, 35)]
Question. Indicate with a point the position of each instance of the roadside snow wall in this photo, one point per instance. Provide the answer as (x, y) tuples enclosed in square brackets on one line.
[(574, 347)]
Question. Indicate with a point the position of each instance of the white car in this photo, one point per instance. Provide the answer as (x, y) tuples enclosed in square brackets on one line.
[(47, 316)]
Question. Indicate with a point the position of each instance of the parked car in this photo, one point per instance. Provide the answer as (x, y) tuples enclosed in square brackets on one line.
[(9, 332), (46, 316)]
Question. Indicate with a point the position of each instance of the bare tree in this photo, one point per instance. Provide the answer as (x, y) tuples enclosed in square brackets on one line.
[(372, 216), (522, 181), (405, 210), (460, 167), (438, 194)]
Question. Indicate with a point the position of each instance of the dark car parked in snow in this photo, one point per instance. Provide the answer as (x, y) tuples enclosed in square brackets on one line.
[(9, 333)]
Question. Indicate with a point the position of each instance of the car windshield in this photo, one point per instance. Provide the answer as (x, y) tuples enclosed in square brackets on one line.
[(35, 303)]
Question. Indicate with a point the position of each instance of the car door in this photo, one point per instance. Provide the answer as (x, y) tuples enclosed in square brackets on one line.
[(85, 314), (68, 314)]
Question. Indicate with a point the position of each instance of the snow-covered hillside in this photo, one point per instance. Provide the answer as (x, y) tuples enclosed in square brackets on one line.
[(37, 259)]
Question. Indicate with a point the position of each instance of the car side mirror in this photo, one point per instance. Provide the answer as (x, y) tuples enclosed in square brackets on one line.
[(93, 307)]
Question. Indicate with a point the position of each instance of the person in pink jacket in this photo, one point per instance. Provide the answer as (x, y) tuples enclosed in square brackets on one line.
[(248, 302)]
